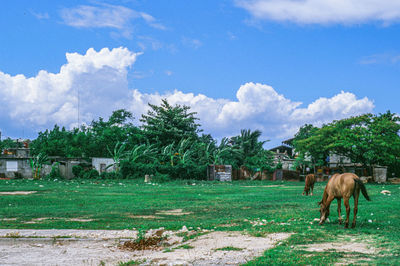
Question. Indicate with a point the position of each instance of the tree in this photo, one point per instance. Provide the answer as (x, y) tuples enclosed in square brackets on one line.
[(366, 139), (166, 124)]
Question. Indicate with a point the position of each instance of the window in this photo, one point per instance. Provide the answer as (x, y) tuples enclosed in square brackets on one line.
[(12, 166)]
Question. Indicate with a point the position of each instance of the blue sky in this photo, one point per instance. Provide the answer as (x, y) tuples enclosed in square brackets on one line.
[(262, 64)]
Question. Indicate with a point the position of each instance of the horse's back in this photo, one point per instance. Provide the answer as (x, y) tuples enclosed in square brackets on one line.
[(310, 179), (342, 184)]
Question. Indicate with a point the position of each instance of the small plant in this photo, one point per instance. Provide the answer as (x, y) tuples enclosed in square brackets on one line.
[(185, 246), (13, 235), (131, 262), (229, 248)]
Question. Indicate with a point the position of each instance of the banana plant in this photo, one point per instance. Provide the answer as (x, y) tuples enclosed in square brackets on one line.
[(184, 150), (169, 151), (118, 155), (37, 163), (143, 151)]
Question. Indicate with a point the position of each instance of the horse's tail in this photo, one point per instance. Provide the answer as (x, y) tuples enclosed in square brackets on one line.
[(363, 189)]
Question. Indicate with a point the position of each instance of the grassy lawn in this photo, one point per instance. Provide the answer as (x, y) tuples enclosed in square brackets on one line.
[(257, 207)]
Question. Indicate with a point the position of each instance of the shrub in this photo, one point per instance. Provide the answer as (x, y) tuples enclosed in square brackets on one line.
[(136, 170), (111, 175), (77, 170), (55, 172), (90, 174)]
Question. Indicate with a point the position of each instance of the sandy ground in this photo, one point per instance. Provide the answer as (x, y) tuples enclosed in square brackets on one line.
[(93, 247)]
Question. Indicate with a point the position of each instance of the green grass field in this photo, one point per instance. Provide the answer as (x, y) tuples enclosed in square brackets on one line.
[(257, 207)]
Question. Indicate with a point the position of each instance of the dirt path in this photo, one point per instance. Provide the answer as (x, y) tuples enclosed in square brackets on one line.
[(93, 247)]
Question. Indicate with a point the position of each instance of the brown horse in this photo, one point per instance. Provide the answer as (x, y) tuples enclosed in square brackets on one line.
[(310, 180), (342, 186)]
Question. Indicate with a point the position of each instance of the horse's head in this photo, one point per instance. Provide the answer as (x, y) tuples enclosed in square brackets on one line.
[(324, 211)]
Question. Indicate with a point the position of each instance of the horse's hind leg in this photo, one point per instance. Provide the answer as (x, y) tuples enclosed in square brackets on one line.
[(339, 210), (347, 205), (312, 189), (356, 195)]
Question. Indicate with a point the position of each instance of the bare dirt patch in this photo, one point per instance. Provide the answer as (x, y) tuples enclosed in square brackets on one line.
[(349, 247), (17, 192), (93, 247), (357, 247), (176, 212), (8, 219), (145, 217), (41, 219)]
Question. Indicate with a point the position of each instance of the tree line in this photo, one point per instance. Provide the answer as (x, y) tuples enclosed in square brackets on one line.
[(169, 143), (367, 139)]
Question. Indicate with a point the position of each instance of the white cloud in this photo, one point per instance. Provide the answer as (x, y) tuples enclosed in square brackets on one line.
[(194, 43), (49, 98), (385, 58), (40, 15), (100, 78), (324, 11), (107, 16), (258, 106)]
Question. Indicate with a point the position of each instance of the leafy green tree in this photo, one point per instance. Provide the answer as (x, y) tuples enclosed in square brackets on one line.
[(9, 143), (366, 139), (166, 124), (90, 141)]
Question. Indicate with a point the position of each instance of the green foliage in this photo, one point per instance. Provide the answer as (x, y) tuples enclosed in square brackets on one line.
[(77, 170), (90, 174), (37, 163), (55, 172), (166, 124), (367, 139), (89, 141), (9, 143), (86, 173)]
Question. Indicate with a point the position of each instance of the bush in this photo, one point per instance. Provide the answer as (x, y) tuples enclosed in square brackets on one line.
[(111, 175), (90, 174), (136, 170), (163, 171), (77, 170), (184, 171), (55, 172)]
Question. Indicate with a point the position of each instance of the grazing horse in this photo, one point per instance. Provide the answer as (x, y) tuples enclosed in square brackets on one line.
[(342, 186), (310, 180)]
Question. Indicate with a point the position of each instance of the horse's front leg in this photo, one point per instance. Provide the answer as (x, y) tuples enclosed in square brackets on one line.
[(347, 205), (339, 210)]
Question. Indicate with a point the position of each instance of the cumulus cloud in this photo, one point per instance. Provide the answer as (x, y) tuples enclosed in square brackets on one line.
[(258, 106), (107, 16), (100, 80), (324, 11)]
